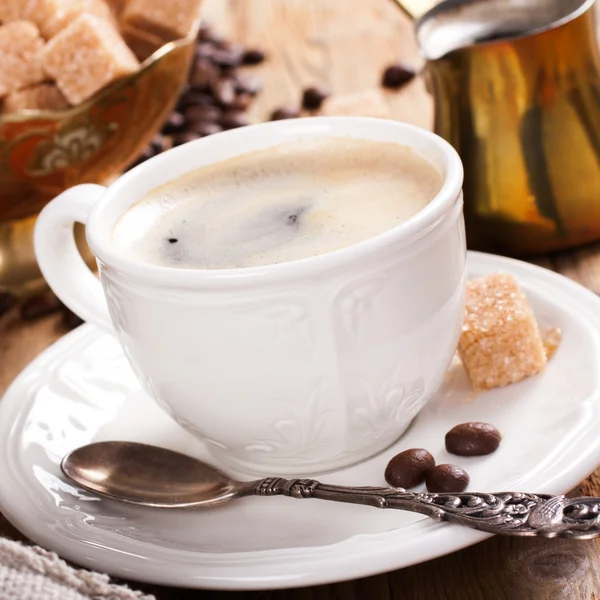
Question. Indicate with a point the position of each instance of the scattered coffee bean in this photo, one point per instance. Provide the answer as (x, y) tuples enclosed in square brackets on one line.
[(409, 468), (70, 320), (173, 240), (196, 98), (447, 479), (204, 74), (313, 97), (219, 41), (253, 56), (206, 33), (232, 119), (174, 124), (473, 439), (227, 57), (241, 101), (224, 91), (159, 144), (285, 112), (395, 76), (204, 50), (7, 301), (184, 137), (204, 128), (228, 73), (40, 305), (215, 96), (245, 83), (147, 153), (211, 114)]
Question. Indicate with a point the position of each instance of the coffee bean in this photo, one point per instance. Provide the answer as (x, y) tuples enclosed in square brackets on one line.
[(70, 320), (285, 112), (473, 439), (313, 97), (232, 119), (222, 43), (155, 146), (227, 57), (40, 305), (7, 301), (217, 94), (224, 91), (204, 51), (409, 468), (147, 152), (174, 123), (159, 144), (203, 113), (203, 75), (241, 101), (197, 98), (245, 83), (204, 128), (253, 56), (184, 138), (447, 479), (395, 76), (206, 33)]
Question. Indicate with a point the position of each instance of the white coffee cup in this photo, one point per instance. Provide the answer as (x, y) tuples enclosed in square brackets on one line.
[(294, 368)]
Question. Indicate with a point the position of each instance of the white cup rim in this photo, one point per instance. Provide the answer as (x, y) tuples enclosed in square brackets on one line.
[(99, 227)]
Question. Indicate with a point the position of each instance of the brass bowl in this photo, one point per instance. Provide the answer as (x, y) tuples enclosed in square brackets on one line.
[(42, 153)]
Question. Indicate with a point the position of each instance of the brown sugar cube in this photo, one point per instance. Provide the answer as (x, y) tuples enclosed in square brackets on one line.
[(45, 96), (167, 20), (500, 341), (116, 6), (369, 103), (85, 56), (14, 10), (53, 15), (11, 10), (50, 16), (142, 44), (20, 56)]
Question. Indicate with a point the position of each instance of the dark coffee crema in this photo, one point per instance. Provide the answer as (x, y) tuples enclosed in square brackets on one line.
[(277, 205)]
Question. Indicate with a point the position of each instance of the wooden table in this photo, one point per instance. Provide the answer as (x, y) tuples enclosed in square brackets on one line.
[(344, 45)]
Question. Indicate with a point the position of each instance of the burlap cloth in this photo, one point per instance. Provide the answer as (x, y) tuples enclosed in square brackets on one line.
[(31, 573)]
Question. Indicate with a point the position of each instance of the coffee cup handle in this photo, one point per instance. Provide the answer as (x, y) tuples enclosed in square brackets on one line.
[(59, 259)]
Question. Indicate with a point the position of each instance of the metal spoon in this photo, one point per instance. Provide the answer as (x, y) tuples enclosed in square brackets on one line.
[(157, 477)]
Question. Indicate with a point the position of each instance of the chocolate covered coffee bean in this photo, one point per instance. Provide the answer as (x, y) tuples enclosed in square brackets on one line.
[(447, 479), (473, 439), (395, 76), (409, 468)]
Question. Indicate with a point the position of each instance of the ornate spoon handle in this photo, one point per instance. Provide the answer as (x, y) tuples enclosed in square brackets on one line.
[(507, 513)]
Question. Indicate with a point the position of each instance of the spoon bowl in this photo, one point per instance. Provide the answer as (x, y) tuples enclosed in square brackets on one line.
[(148, 475)]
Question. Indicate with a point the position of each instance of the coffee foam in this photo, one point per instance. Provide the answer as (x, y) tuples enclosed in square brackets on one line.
[(285, 203)]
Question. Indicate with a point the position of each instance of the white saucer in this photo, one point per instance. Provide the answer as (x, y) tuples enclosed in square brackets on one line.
[(81, 390)]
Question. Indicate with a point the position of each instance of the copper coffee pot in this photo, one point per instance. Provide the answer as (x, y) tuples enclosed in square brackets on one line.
[(516, 85)]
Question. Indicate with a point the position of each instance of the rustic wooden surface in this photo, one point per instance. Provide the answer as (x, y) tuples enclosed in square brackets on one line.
[(345, 45)]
